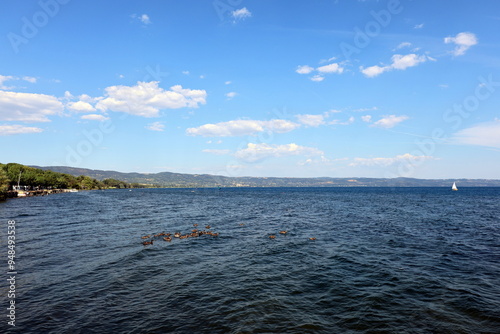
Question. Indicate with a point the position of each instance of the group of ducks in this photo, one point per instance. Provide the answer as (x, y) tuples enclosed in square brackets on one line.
[(168, 236), (194, 234), (273, 236)]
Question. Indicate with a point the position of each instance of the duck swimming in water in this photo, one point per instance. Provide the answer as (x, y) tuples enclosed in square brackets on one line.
[(146, 236), (312, 239), (272, 236), (167, 239), (283, 232), (145, 243), (177, 234)]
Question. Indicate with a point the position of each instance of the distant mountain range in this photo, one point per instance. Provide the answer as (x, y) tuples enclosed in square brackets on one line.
[(178, 180)]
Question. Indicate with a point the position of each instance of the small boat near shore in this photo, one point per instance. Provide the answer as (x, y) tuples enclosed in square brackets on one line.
[(454, 187)]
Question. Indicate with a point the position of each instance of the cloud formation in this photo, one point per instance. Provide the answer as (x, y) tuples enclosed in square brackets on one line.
[(257, 152), (312, 120), (240, 14), (94, 117), (4, 78), (7, 130), (146, 99), (321, 70), (483, 134), (463, 42), (242, 128), (156, 126), (144, 18), (304, 69), (385, 162), (80, 106), (399, 62), (28, 107), (388, 121), (217, 152)]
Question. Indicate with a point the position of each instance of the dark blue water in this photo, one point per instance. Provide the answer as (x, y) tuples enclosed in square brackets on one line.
[(403, 260)]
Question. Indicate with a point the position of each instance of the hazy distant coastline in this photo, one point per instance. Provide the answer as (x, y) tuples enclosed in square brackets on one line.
[(168, 179)]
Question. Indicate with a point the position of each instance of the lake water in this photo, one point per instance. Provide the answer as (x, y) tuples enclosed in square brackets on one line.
[(385, 260)]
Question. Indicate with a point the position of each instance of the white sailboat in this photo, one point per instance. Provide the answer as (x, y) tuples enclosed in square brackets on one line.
[(454, 187)]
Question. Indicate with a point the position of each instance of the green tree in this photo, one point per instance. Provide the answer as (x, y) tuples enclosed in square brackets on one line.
[(4, 184)]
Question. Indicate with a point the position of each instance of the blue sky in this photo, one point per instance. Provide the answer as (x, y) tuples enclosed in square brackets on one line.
[(253, 88)]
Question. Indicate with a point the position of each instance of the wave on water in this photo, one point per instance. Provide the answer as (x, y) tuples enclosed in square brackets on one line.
[(381, 260)]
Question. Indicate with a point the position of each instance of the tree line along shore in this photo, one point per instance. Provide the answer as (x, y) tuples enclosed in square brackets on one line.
[(16, 178)]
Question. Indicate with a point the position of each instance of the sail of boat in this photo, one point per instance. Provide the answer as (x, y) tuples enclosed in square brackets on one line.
[(454, 187)]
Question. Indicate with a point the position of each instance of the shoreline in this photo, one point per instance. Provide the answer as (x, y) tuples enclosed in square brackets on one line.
[(33, 193)]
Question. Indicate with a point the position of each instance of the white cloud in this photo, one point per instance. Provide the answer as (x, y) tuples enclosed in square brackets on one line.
[(373, 71), (326, 69), (156, 126), (463, 41), (87, 98), (94, 117), (185, 72), (7, 130), (4, 78), (366, 118), (145, 19), (28, 107), (384, 162), (331, 68), (365, 109), (317, 78), (403, 45), (399, 62), (230, 95), (146, 99), (217, 152), (304, 69), (389, 121), (418, 26), (242, 128), (29, 79), (311, 120), (483, 134), (315, 120), (256, 152), (339, 122), (80, 106), (240, 14), (227, 82), (322, 61)]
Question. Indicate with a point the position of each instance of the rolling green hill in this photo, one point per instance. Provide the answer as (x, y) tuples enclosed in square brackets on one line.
[(167, 179)]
